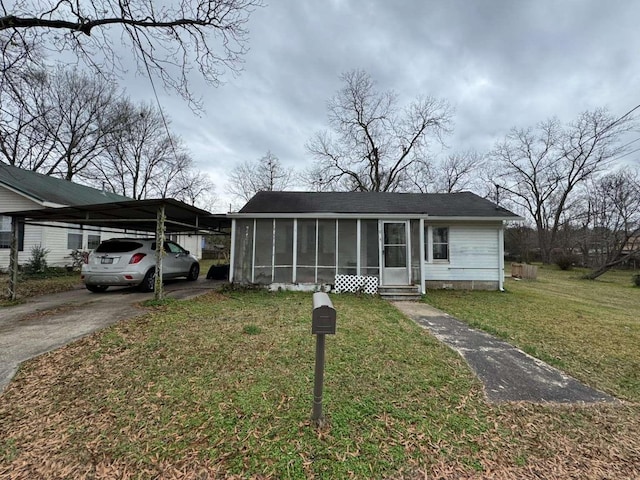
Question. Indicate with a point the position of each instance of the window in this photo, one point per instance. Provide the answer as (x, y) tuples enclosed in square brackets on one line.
[(93, 241), (171, 247), (74, 241), (5, 232), (441, 243)]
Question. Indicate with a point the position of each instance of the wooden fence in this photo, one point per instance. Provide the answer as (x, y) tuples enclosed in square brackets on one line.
[(524, 271)]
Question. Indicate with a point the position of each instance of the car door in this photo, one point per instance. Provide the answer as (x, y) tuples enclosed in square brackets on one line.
[(177, 260)]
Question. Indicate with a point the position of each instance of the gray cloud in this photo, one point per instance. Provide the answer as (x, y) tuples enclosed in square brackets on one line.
[(500, 63)]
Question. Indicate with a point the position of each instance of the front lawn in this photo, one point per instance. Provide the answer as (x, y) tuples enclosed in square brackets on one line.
[(221, 387), (590, 329)]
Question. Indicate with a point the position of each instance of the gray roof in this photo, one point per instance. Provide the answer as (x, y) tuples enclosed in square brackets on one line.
[(463, 204), (44, 188)]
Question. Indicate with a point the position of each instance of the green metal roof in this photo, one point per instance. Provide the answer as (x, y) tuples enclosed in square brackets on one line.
[(44, 188)]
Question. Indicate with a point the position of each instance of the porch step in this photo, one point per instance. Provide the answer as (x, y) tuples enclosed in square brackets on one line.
[(405, 293)]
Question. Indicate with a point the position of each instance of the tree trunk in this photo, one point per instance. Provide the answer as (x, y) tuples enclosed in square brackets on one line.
[(602, 269)]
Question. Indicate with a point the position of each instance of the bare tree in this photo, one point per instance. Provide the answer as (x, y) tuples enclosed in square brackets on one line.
[(455, 173), (612, 221), (22, 142), (134, 151), (540, 168), (373, 142), (76, 112), (141, 159), (167, 40), (55, 123), (264, 174), (195, 188)]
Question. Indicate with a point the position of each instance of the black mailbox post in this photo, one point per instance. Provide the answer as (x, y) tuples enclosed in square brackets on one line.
[(323, 322)]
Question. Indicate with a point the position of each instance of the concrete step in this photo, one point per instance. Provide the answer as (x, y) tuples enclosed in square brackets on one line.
[(407, 293)]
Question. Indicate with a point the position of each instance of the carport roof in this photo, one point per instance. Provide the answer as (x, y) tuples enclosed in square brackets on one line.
[(133, 215)]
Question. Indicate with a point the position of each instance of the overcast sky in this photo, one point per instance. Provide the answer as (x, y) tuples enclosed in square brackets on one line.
[(499, 63)]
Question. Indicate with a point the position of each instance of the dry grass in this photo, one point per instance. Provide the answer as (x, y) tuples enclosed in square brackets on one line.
[(221, 387), (39, 285)]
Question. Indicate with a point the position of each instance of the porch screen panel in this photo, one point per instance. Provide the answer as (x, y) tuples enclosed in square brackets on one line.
[(264, 250), (243, 249), (347, 247), (369, 248), (283, 272), (326, 251), (306, 252)]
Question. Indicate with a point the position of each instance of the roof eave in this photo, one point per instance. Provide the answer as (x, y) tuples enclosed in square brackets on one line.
[(375, 216), (23, 193)]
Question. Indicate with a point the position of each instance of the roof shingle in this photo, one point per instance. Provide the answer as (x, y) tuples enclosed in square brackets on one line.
[(53, 190), (463, 204)]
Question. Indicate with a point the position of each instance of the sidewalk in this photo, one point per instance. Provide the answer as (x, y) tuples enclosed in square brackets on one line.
[(508, 374)]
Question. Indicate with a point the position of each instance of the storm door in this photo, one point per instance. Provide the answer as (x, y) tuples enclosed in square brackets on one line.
[(395, 268)]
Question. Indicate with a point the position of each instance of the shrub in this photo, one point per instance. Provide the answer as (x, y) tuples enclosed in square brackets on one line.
[(38, 261), (636, 279), (78, 258), (564, 262)]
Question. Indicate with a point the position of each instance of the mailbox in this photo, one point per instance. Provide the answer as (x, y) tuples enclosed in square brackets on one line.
[(323, 320)]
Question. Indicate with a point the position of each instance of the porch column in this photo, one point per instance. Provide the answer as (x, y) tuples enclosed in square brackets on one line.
[(423, 288), (13, 259)]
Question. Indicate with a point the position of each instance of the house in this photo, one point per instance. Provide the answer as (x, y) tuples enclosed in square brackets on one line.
[(316, 239), (26, 190)]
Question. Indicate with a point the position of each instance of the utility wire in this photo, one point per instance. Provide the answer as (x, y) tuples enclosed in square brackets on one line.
[(155, 93)]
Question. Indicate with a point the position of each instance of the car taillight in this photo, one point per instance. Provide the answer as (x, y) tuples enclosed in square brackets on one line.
[(137, 257)]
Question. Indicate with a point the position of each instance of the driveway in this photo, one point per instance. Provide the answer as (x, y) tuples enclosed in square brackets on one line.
[(44, 323)]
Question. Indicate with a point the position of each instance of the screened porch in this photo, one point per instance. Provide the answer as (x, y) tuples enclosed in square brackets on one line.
[(314, 251)]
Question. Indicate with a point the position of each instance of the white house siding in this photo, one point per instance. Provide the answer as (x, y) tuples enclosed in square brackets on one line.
[(190, 242), (11, 201), (473, 259)]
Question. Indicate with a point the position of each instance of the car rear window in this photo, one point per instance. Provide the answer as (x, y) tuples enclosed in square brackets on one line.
[(113, 247)]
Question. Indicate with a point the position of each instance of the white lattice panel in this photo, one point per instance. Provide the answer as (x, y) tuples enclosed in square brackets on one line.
[(356, 283)]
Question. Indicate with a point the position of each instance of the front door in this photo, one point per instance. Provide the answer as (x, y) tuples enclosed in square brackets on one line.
[(395, 269)]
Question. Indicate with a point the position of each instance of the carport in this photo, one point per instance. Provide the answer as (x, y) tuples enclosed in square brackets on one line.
[(161, 216)]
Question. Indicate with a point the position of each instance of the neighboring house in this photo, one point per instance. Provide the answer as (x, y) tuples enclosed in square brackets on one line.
[(26, 190), (298, 239)]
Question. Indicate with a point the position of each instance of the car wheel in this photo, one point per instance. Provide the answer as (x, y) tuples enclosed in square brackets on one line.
[(149, 282), (97, 288), (194, 271)]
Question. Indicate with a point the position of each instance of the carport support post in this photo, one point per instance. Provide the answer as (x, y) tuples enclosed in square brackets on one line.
[(157, 288), (13, 259)]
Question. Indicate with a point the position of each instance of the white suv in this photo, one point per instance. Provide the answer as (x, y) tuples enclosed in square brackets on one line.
[(132, 262)]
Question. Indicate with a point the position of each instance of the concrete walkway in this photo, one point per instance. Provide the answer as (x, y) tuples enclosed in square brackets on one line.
[(508, 374)]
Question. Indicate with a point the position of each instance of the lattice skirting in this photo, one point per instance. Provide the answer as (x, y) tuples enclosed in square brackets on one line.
[(356, 283)]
